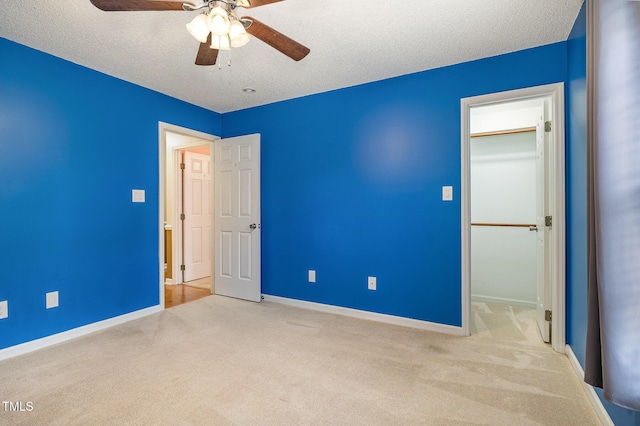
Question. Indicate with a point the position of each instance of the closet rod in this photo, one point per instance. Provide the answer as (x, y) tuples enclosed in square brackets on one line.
[(504, 132), (510, 225)]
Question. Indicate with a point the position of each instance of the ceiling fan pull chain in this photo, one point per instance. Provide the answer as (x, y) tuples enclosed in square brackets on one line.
[(219, 46), (229, 60)]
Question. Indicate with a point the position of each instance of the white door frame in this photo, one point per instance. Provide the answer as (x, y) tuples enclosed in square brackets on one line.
[(163, 152), (558, 263)]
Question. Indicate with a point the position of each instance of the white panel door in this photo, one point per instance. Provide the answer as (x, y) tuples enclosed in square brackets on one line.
[(237, 217), (197, 216), (542, 252)]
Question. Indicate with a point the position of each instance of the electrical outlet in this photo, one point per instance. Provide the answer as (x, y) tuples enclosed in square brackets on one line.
[(52, 300), (4, 309), (371, 283), (312, 276)]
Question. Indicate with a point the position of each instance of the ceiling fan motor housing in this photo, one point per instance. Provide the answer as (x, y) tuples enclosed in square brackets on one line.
[(227, 5)]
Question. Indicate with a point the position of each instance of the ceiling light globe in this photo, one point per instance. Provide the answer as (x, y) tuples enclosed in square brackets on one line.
[(220, 42), (199, 28), (238, 34), (219, 21)]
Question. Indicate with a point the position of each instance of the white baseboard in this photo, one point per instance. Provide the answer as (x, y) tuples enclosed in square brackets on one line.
[(366, 315), (503, 301), (591, 393), (44, 342)]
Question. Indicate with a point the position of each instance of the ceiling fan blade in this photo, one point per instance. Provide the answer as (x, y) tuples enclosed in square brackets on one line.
[(247, 4), (206, 55), (277, 40), (136, 5)]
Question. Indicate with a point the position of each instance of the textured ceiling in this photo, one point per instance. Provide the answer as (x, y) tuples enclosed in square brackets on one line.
[(352, 42)]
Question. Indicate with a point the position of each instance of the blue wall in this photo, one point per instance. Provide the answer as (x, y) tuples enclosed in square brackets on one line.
[(577, 206), (73, 144), (576, 151), (351, 185)]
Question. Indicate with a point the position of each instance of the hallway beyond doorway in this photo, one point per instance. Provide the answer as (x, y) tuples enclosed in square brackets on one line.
[(175, 295)]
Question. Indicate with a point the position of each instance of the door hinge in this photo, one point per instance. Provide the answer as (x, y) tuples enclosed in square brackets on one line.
[(547, 126), (182, 216), (182, 166), (182, 267), (547, 315), (548, 221)]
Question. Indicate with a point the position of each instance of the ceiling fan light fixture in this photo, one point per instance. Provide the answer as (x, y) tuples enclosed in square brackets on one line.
[(199, 28), (237, 34), (219, 21), (220, 42)]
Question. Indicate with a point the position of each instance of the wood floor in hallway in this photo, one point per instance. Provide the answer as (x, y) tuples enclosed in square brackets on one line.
[(175, 295)]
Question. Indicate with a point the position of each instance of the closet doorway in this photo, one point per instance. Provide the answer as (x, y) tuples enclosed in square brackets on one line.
[(504, 234), (512, 190)]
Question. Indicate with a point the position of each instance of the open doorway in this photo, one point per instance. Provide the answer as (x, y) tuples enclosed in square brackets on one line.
[(513, 225), (504, 190), (185, 241), (235, 202), (192, 201)]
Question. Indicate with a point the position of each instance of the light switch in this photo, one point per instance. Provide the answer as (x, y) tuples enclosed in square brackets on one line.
[(52, 300), (447, 193), (312, 276), (137, 195)]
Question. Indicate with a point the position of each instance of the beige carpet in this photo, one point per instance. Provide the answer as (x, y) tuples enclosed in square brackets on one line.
[(224, 361)]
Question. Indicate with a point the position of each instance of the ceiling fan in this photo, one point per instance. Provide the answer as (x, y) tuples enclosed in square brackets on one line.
[(217, 27)]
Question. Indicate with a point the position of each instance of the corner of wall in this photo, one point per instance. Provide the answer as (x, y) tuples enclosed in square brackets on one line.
[(592, 396)]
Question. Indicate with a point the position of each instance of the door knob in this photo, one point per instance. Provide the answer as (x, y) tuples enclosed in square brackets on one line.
[(253, 226), (533, 228)]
